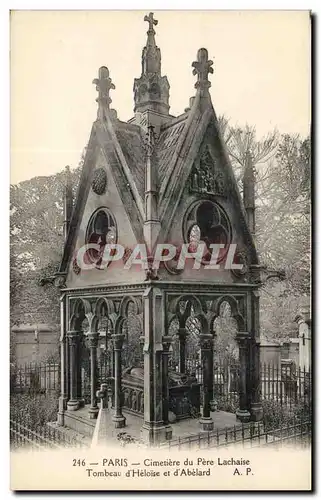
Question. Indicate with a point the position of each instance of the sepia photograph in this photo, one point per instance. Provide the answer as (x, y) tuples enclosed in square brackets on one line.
[(160, 250)]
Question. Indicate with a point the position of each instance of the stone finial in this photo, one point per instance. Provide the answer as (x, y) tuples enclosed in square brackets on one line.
[(202, 67), (103, 86), (151, 21), (151, 90)]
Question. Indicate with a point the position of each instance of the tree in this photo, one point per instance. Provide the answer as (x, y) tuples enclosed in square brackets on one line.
[(283, 176), (36, 244), (239, 142), (283, 213)]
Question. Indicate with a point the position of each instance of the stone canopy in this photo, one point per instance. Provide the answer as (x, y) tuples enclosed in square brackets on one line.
[(157, 179)]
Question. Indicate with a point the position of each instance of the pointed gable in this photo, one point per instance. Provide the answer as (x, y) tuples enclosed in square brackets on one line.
[(161, 166)]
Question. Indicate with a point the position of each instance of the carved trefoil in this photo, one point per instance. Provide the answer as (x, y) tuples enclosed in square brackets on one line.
[(205, 176)]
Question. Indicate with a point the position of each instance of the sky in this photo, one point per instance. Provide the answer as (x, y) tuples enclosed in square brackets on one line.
[(261, 73)]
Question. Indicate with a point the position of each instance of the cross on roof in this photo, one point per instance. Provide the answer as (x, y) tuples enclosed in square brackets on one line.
[(202, 67), (103, 86), (151, 21)]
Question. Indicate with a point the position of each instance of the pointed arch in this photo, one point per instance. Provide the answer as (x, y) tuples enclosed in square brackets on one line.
[(235, 312), (123, 309), (104, 303), (77, 315), (199, 306)]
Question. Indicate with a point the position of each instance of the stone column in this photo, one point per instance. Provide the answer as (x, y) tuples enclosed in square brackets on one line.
[(256, 403), (64, 373), (182, 349), (113, 360), (73, 337), (153, 430), (242, 413), (118, 418), (79, 357), (141, 343), (256, 408), (206, 343), (93, 344), (167, 340), (110, 354), (213, 401)]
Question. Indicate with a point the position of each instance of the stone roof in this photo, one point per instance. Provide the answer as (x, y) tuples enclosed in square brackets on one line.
[(130, 138), (167, 143)]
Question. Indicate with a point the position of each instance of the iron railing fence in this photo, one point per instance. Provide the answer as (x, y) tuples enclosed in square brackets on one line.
[(25, 434), (293, 434), (35, 378), (286, 384)]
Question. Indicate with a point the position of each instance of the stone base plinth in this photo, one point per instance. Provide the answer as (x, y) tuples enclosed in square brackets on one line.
[(154, 433), (213, 405), (168, 432), (73, 405), (61, 419), (206, 424), (62, 407), (62, 403), (256, 412), (93, 413), (151, 433), (79, 422), (119, 422), (243, 415)]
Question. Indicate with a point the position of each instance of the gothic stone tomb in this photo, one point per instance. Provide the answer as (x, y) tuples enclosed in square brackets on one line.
[(156, 179), (183, 393)]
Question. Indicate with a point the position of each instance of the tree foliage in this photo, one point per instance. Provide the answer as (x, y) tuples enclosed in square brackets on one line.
[(36, 244), (283, 175)]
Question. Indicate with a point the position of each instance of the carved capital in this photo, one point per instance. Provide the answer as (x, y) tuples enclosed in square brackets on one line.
[(167, 342), (93, 340), (118, 340), (206, 341), (242, 338), (73, 337)]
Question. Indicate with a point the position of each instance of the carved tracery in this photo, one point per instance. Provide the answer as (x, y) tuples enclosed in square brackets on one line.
[(206, 176)]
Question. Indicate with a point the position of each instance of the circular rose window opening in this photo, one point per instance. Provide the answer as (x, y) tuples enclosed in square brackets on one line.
[(206, 222), (101, 230)]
